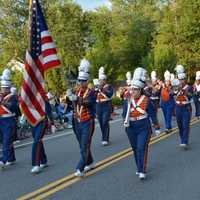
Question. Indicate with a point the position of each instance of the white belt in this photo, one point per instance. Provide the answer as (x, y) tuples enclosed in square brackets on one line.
[(7, 115), (183, 102), (138, 118), (154, 98), (103, 100)]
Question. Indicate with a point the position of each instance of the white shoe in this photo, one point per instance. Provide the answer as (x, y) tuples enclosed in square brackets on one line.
[(104, 143), (184, 146), (78, 173), (10, 163), (42, 166), (17, 141), (88, 167), (36, 170), (142, 176), (2, 165), (157, 132), (137, 173), (69, 126)]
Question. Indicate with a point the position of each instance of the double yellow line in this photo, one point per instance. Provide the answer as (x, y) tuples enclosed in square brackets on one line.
[(60, 184)]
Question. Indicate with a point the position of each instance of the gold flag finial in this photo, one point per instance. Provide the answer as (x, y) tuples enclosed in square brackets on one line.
[(30, 4)]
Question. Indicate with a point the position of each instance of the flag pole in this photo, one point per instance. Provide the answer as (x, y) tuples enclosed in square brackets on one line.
[(29, 23)]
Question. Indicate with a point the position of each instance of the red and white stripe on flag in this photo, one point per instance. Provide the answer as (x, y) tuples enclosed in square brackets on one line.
[(48, 57), (40, 57), (33, 97)]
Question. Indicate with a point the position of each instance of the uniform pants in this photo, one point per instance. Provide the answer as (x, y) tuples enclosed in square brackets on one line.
[(38, 151), (183, 116), (103, 111), (7, 131), (84, 132), (139, 134)]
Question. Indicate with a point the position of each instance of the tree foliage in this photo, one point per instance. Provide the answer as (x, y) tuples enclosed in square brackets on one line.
[(154, 34)]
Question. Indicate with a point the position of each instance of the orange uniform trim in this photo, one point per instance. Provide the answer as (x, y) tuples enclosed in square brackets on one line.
[(134, 113), (82, 113)]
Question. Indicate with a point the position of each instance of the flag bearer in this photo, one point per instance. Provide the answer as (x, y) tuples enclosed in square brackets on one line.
[(39, 157), (167, 101), (196, 96), (8, 110), (139, 109), (183, 106), (83, 118), (103, 106)]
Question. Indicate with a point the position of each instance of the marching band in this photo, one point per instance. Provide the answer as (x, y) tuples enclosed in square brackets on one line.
[(141, 99)]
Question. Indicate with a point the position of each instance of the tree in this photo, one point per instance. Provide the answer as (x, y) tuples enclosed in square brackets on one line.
[(67, 24), (178, 38)]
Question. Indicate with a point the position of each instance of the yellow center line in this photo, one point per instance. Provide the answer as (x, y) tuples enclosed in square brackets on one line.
[(71, 179)]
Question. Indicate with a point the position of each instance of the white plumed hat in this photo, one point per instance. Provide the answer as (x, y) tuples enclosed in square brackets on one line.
[(172, 76), (179, 69), (181, 76), (180, 72), (84, 70), (5, 78), (167, 75), (139, 78), (198, 75), (128, 78), (102, 75), (153, 76)]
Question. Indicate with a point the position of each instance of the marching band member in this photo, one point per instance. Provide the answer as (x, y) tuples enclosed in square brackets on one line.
[(153, 90), (167, 101), (8, 110), (39, 157), (103, 106), (83, 118), (183, 97), (196, 92), (139, 109)]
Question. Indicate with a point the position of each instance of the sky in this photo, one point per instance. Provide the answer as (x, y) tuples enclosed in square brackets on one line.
[(92, 4)]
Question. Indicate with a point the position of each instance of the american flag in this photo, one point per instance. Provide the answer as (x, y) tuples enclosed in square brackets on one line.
[(40, 56)]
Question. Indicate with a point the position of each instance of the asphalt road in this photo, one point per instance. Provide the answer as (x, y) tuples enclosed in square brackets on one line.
[(173, 174)]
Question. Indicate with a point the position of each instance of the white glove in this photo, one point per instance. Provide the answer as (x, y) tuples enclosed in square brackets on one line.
[(69, 92), (73, 97), (126, 124)]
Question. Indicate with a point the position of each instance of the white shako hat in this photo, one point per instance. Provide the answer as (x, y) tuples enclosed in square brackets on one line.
[(5, 79), (102, 75), (167, 75), (139, 78), (128, 78), (83, 69), (172, 76), (198, 75), (180, 72), (153, 76)]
